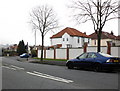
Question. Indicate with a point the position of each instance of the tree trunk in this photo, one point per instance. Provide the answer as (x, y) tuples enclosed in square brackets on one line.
[(42, 48), (98, 47), (99, 41)]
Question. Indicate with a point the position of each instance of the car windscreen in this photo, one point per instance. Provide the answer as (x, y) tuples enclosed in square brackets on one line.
[(84, 55)]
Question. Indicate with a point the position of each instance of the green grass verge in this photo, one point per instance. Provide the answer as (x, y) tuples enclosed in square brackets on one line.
[(51, 59)]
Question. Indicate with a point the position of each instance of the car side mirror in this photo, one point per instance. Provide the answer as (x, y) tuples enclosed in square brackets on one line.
[(77, 57)]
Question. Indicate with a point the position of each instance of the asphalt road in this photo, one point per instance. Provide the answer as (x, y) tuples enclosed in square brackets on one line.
[(24, 75)]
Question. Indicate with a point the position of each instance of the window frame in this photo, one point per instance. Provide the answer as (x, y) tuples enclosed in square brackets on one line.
[(63, 39), (67, 39), (78, 40)]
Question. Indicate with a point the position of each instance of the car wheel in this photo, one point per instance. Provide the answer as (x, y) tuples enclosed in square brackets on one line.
[(97, 68), (70, 66)]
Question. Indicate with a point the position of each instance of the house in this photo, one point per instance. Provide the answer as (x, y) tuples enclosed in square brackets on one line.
[(118, 40), (104, 38), (69, 37), (13, 47)]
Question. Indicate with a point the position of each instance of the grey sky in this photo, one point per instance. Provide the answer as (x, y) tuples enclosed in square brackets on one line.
[(14, 20)]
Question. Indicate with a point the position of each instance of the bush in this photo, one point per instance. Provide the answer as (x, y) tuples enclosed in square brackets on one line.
[(34, 53), (21, 48), (11, 53)]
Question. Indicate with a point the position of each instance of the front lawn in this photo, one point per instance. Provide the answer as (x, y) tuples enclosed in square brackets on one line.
[(51, 59)]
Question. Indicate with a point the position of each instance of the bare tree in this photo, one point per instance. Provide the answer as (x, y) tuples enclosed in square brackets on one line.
[(43, 19), (98, 11)]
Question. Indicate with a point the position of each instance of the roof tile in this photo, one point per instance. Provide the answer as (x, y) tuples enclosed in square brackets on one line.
[(105, 35), (71, 32)]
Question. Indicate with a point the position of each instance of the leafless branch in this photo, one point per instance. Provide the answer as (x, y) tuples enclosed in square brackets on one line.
[(43, 19), (98, 11)]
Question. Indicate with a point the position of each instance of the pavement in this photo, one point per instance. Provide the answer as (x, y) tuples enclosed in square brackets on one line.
[(50, 62)]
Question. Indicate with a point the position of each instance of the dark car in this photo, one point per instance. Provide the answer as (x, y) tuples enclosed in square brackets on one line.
[(24, 55), (95, 60)]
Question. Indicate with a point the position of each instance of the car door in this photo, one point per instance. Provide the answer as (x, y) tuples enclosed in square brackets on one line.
[(90, 60), (81, 60)]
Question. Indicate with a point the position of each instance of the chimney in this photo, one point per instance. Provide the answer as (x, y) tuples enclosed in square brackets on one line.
[(84, 32), (109, 47), (112, 33)]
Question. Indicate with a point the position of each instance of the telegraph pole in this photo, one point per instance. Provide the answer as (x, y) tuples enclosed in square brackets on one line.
[(35, 38), (27, 50)]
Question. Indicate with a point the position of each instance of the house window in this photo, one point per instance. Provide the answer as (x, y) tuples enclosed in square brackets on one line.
[(63, 39), (69, 46), (78, 40), (67, 39), (88, 41), (95, 42), (83, 40)]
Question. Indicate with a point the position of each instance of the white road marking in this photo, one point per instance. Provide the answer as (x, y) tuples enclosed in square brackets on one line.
[(9, 67), (35, 73), (5, 64), (17, 67), (50, 77)]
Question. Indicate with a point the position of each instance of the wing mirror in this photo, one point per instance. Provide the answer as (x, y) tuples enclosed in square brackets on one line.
[(77, 57)]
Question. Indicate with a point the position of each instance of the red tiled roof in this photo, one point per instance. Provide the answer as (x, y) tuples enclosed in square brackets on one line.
[(71, 32), (14, 47), (105, 35), (57, 46), (118, 37)]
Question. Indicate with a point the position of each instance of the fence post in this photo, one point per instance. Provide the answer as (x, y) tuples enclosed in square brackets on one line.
[(37, 51), (109, 47), (67, 53), (54, 52), (85, 47)]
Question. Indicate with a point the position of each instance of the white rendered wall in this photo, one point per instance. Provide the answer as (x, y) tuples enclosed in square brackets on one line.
[(61, 53), (115, 51), (65, 42), (55, 41), (50, 54), (74, 52)]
